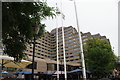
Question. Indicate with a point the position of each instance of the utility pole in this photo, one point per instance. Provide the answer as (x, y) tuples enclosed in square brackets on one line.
[(57, 46), (81, 46), (65, 70)]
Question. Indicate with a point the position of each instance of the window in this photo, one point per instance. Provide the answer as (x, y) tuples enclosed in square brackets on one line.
[(31, 51), (76, 55), (84, 36), (85, 39)]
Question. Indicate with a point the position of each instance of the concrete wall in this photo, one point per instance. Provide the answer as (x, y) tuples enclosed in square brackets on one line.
[(41, 66)]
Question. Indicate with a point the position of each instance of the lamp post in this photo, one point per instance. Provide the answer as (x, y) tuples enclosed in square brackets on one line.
[(33, 58), (35, 32)]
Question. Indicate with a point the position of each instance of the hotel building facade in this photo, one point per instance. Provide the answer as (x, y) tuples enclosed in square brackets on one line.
[(46, 49)]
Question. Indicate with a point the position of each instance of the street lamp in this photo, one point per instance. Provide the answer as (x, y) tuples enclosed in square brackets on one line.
[(35, 32)]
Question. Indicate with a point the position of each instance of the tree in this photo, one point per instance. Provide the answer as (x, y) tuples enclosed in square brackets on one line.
[(99, 56), (18, 21), (117, 63)]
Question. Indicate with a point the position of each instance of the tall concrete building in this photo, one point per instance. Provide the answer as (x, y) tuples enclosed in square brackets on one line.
[(72, 45), (45, 49)]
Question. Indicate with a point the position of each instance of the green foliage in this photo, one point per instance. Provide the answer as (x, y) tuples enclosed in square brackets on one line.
[(18, 21), (99, 56), (117, 63)]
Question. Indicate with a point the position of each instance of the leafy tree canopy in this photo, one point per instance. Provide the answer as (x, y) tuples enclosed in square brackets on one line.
[(117, 63), (19, 22), (99, 56)]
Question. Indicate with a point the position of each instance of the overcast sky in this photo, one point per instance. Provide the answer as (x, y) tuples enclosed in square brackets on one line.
[(95, 16)]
